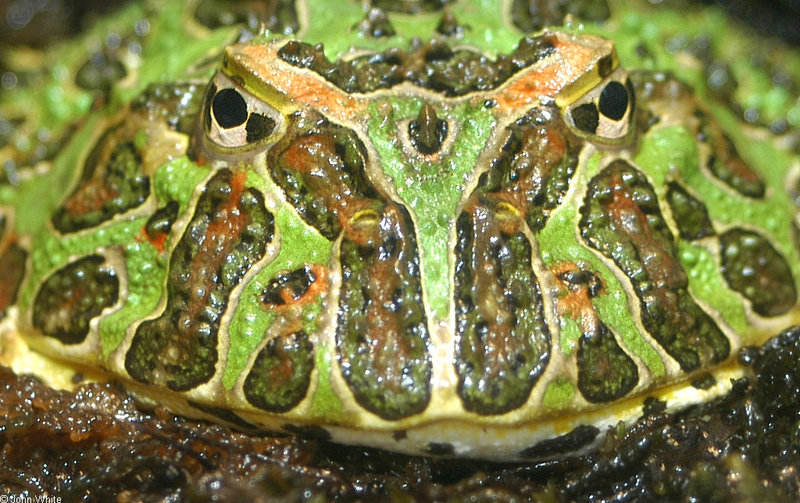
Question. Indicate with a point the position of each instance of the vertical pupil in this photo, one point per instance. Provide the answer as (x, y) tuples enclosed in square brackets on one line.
[(229, 108)]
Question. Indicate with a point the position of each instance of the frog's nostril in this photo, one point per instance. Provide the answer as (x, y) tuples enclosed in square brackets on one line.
[(427, 131)]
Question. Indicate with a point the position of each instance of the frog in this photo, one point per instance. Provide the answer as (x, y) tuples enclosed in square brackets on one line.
[(427, 230)]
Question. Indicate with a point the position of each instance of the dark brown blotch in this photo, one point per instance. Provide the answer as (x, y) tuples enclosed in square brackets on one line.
[(586, 117), (13, 264), (503, 342), (224, 239), (621, 218), (605, 371), (71, 297), (376, 24), (689, 213), (281, 373), (755, 269), (440, 449), (258, 127), (112, 182), (449, 26), (226, 415)]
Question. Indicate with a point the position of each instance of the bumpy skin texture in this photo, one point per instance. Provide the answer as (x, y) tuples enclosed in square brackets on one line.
[(322, 172), (504, 338), (72, 296), (409, 240), (226, 236), (636, 237), (112, 182)]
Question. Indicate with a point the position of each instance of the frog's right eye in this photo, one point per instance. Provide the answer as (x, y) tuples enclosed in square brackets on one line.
[(605, 114), (234, 118)]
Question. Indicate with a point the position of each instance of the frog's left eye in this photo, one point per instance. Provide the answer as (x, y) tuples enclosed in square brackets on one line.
[(605, 113), (234, 118)]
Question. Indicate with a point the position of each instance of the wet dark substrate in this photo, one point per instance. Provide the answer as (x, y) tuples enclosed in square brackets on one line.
[(96, 445)]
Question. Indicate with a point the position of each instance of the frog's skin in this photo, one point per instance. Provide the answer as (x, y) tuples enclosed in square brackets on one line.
[(496, 263)]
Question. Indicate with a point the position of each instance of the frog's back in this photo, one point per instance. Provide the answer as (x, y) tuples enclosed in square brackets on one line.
[(424, 246)]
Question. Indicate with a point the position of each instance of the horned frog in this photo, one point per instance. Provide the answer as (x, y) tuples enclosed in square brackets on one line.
[(422, 243)]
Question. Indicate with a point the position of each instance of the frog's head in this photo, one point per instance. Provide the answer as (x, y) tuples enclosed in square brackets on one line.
[(262, 84), (402, 172)]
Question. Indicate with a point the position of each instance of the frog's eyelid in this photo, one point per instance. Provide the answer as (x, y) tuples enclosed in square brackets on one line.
[(234, 118)]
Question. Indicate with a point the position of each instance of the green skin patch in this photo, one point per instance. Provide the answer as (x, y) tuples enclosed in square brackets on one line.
[(558, 394), (487, 30), (562, 246), (671, 148), (251, 320), (432, 189)]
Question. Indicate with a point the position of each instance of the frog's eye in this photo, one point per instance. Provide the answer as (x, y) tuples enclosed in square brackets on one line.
[(234, 118), (604, 114)]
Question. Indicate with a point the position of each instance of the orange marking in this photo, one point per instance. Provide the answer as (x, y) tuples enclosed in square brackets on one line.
[(91, 196), (221, 234), (541, 155), (571, 61), (658, 261), (500, 341), (303, 86), (556, 147), (315, 289), (389, 346), (271, 76), (277, 376), (316, 158), (739, 168), (529, 88), (158, 240), (319, 285), (574, 299)]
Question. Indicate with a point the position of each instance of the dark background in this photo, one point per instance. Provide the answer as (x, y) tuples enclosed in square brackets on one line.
[(37, 22)]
